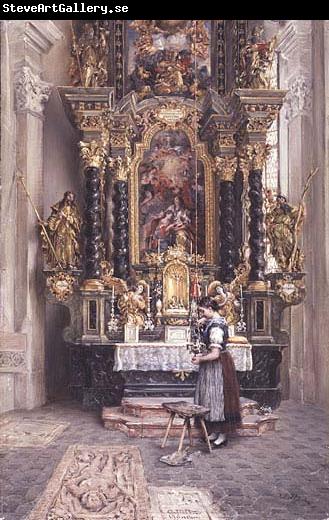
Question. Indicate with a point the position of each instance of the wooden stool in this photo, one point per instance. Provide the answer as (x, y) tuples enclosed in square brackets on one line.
[(186, 411)]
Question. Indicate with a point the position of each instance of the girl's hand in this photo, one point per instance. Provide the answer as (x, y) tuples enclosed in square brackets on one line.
[(196, 359)]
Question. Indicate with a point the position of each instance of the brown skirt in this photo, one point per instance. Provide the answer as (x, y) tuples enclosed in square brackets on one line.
[(231, 398)]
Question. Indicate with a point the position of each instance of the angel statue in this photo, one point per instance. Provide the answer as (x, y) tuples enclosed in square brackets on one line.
[(63, 229), (132, 304), (256, 61)]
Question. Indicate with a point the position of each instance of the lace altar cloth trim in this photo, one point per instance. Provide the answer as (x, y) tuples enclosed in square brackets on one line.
[(165, 357), (241, 355)]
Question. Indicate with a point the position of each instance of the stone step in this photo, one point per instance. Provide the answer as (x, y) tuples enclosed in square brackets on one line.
[(155, 427), (152, 406)]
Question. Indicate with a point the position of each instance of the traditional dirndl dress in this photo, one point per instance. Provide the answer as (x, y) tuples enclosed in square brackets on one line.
[(217, 387)]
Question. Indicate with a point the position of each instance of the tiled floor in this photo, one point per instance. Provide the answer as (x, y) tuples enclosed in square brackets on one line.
[(283, 475)]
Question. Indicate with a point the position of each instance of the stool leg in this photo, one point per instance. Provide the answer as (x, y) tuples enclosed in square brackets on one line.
[(203, 426), (189, 429), (182, 436), (171, 418)]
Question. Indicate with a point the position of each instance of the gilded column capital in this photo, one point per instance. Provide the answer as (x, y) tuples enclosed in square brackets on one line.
[(253, 156), (31, 93), (92, 154), (226, 167)]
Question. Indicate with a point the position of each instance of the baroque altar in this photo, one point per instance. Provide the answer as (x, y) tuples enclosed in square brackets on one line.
[(173, 145)]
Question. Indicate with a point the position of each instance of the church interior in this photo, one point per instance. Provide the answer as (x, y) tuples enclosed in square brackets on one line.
[(147, 165)]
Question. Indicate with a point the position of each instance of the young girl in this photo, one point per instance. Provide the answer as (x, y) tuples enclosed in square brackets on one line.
[(217, 386)]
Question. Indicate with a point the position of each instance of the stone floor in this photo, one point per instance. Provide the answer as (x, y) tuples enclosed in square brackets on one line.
[(283, 475)]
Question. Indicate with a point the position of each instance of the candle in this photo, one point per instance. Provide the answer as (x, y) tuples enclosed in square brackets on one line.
[(206, 290), (158, 247), (241, 295), (112, 292), (191, 248)]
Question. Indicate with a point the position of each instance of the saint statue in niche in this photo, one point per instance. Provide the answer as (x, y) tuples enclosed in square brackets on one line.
[(169, 193)]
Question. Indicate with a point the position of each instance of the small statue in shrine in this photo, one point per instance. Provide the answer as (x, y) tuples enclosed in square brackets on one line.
[(256, 61), (283, 224), (132, 304), (63, 228)]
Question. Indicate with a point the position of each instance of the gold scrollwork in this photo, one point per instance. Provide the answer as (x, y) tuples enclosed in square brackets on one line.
[(291, 291), (61, 285), (92, 154), (255, 155)]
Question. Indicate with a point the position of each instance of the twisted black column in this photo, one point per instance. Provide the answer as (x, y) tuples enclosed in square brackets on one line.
[(121, 230), (93, 224), (257, 233), (227, 237)]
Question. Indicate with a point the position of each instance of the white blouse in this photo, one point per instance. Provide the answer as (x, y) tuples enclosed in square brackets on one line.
[(216, 338)]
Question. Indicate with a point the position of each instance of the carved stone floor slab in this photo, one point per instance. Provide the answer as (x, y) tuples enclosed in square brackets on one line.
[(96, 483), (29, 433), (183, 503)]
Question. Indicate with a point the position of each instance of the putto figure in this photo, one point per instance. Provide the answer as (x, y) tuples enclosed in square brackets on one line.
[(63, 229)]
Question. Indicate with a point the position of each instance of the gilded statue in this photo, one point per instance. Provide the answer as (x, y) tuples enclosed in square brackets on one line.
[(132, 304), (63, 229), (283, 225), (256, 61), (90, 50)]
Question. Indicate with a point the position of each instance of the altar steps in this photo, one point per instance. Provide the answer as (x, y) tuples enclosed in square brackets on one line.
[(145, 417)]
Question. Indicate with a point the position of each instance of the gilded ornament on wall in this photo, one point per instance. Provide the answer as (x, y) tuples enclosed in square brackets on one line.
[(61, 286), (61, 245), (226, 167), (291, 291)]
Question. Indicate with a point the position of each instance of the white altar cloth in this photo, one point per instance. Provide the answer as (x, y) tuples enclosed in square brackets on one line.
[(242, 355), (153, 356)]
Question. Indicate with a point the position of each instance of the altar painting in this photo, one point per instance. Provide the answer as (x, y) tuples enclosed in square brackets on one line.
[(169, 57), (171, 195)]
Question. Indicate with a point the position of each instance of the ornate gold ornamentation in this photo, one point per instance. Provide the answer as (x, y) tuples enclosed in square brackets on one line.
[(63, 232), (256, 154), (226, 167), (256, 61), (182, 375), (92, 154), (90, 49), (202, 154), (290, 290), (61, 286)]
